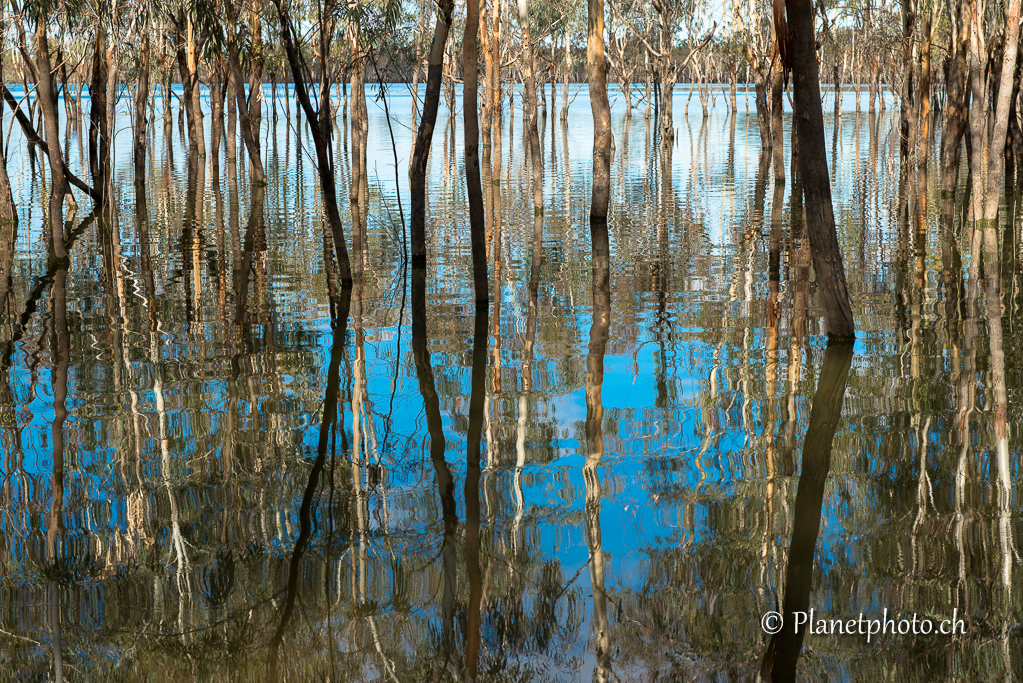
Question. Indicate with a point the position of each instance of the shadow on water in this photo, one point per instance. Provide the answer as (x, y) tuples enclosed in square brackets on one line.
[(328, 422), (600, 633), (779, 662)]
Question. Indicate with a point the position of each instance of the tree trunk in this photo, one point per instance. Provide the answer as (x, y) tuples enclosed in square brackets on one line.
[(99, 138), (872, 97), (232, 112), (111, 89), (250, 132), (320, 127), (8, 210), (488, 67), (474, 184), (141, 116), (58, 180), (907, 112), (532, 110), (761, 69), (923, 94), (777, 129), (494, 74), (564, 86), (996, 160), (417, 61), (217, 112), (813, 161), (424, 135), (192, 63), (596, 75), (360, 125), (187, 109)]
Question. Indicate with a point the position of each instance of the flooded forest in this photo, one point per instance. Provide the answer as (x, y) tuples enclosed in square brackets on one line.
[(423, 340)]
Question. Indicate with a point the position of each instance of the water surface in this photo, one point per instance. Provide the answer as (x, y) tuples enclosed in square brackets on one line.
[(196, 528)]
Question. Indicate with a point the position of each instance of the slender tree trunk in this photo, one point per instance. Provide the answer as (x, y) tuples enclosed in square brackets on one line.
[(232, 111), (187, 109), (474, 184), (923, 94), (250, 132), (596, 75), (141, 115), (320, 127), (192, 64), (907, 112), (761, 69), (424, 135), (111, 88), (257, 62), (417, 62), (99, 138), (58, 180), (564, 86), (956, 104), (216, 111), (820, 217), (777, 129), (532, 110), (8, 210), (488, 67), (360, 124), (996, 160), (666, 82)]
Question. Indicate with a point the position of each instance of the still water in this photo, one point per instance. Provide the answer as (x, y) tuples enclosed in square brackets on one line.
[(642, 497)]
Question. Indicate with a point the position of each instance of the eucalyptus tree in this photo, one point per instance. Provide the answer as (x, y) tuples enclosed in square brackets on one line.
[(143, 21), (813, 161), (8, 210), (671, 18), (473, 181), (596, 76), (327, 18), (989, 135), (186, 50), (954, 120), (753, 24), (424, 134), (918, 33), (244, 40), (47, 96), (532, 109)]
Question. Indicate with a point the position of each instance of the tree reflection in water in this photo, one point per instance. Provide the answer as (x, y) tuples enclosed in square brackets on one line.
[(647, 393), (779, 663)]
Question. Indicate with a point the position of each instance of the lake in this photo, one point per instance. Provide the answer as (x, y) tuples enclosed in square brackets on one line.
[(602, 477)]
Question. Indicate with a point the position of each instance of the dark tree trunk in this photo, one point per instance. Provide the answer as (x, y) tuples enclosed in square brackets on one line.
[(956, 108), (424, 136), (99, 137), (813, 161), (320, 127), (58, 179), (779, 663), (474, 184)]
